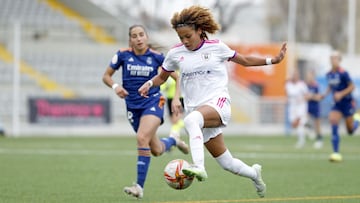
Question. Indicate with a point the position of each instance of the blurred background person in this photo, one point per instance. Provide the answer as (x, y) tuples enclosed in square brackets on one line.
[(2, 130), (297, 93), (314, 120), (341, 86)]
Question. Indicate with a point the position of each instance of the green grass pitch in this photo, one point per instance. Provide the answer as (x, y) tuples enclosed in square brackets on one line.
[(95, 169)]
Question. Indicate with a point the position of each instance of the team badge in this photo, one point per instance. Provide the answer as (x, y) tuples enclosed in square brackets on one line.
[(149, 60), (205, 56)]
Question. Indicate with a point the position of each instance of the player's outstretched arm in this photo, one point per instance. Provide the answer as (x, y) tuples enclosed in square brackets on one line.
[(260, 61), (155, 81)]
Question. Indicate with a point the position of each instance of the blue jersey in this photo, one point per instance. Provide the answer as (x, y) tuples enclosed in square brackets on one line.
[(136, 70), (338, 81), (313, 105)]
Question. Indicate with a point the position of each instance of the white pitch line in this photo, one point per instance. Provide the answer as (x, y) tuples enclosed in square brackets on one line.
[(66, 152), (254, 155)]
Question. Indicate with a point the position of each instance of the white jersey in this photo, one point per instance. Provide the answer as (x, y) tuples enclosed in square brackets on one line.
[(296, 94), (203, 71)]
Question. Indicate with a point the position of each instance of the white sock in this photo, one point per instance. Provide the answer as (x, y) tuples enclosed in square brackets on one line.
[(194, 123), (236, 166), (301, 133)]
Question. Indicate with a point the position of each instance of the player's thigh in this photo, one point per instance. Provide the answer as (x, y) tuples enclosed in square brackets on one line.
[(147, 128), (216, 145), (335, 117), (211, 116)]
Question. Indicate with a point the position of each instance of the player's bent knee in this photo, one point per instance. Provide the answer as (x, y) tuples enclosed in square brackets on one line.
[(156, 152), (142, 140)]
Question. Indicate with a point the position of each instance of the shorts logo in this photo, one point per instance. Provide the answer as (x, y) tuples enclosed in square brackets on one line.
[(130, 116), (152, 109), (221, 101)]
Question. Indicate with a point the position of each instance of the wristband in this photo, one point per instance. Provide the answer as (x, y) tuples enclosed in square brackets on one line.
[(268, 61), (150, 82), (115, 85)]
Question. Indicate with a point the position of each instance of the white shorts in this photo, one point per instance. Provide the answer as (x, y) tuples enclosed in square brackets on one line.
[(298, 112), (223, 106)]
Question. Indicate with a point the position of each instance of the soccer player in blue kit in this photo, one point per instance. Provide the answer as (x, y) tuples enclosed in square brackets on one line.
[(341, 86), (140, 63), (314, 107)]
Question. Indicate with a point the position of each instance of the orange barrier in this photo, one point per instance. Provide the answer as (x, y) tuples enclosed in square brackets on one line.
[(270, 80)]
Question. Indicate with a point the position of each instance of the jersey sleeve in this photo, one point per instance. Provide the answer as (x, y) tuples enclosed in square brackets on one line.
[(225, 51), (170, 62), (160, 58), (116, 61), (347, 78)]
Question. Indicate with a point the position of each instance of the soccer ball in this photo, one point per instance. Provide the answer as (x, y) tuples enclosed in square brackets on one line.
[(174, 176)]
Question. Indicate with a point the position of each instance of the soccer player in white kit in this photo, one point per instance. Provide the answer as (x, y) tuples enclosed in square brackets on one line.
[(203, 79), (297, 95)]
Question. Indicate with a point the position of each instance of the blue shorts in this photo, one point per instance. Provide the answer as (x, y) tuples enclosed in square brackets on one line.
[(346, 108), (134, 115), (314, 113)]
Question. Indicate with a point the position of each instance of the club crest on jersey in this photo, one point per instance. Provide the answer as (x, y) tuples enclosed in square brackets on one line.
[(149, 60), (205, 56)]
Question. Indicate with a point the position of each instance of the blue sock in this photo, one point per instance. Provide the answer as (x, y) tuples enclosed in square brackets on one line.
[(168, 142), (355, 125), (335, 138), (142, 165)]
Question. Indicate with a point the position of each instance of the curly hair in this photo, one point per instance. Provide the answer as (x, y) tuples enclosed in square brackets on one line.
[(196, 17)]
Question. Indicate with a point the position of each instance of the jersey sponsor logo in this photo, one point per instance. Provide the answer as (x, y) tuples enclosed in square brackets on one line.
[(195, 74), (334, 80), (138, 70)]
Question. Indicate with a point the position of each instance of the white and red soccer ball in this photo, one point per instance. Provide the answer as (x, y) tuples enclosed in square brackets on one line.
[(174, 176)]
